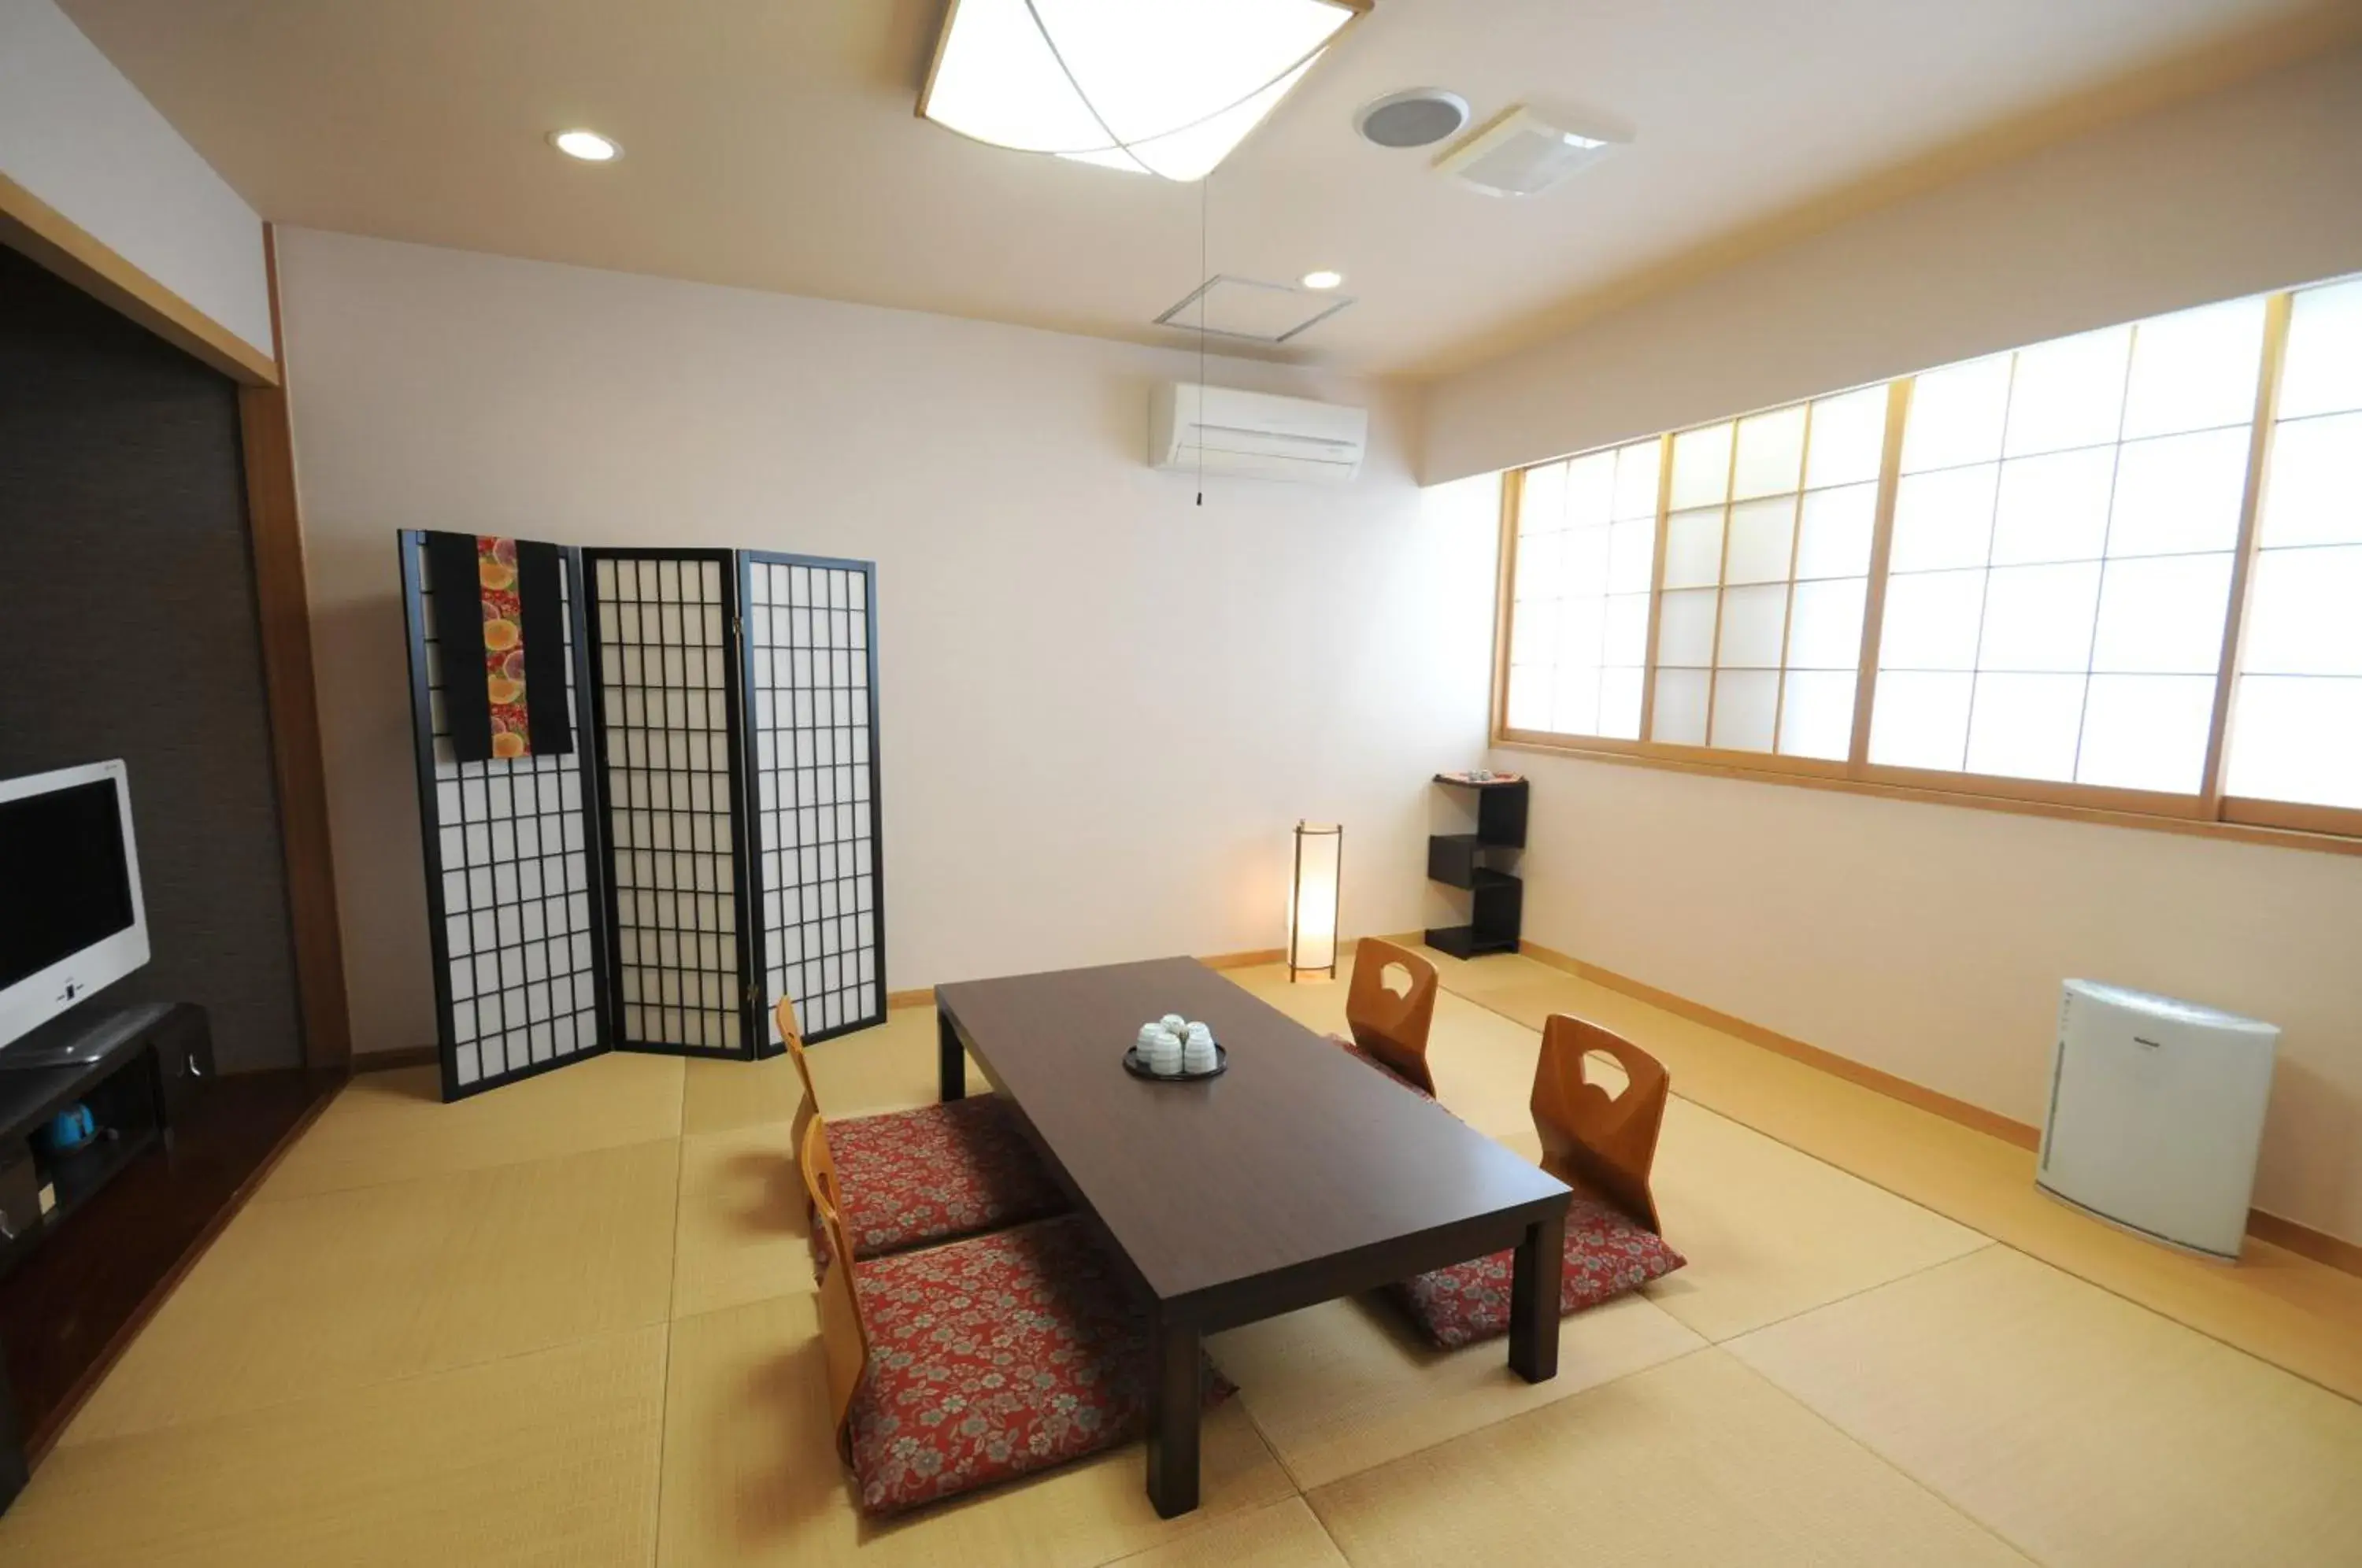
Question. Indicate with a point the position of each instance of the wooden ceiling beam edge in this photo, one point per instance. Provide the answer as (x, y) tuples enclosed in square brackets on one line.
[(54, 240)]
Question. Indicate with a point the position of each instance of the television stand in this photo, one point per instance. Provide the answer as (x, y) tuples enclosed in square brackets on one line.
[(135, 1069), (81, 1039)]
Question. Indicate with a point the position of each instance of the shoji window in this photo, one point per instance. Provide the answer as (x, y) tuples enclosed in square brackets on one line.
[(2296, 730), (2119, 572), (2065, 529), (1586, 547), (1767, 563)]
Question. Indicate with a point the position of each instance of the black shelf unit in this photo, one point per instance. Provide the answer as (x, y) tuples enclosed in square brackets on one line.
[(1497, 898)]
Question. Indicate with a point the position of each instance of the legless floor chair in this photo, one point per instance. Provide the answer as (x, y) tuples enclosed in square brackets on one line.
[(914, 1178), (1028, 1335), (1390, 1029), (1601, 1145)]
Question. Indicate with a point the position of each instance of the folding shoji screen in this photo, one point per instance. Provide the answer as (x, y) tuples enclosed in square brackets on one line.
[(811, 672), (717, 824), (517, 932), (672, 781)]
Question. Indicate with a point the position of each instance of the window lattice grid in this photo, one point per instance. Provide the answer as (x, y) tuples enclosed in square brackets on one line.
[(663, 682), (2066, 528), (2296, 729), (1767, 567), (510, 843), (1586, 552), (809, 654)]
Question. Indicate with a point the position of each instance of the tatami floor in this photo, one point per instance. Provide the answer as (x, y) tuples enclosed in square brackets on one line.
[(571, 1323)]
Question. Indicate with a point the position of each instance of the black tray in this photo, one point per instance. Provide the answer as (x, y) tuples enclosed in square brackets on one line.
[(1138, 1068)]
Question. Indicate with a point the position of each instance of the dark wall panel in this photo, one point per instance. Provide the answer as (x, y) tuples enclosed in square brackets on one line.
[(127, 629)]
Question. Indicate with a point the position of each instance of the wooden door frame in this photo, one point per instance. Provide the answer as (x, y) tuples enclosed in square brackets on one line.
[(282, 603)]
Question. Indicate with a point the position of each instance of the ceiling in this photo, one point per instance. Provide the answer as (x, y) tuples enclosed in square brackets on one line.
[(773, 144)]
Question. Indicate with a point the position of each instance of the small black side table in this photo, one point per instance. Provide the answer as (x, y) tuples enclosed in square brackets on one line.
[(1497, 898)]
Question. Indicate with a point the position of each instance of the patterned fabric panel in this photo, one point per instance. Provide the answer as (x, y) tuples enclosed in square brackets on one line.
[(1360, 1055), (913, 1178), (1606, 1256), (994, 1358)]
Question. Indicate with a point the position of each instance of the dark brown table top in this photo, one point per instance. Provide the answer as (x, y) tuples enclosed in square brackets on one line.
[(1298, 1152)]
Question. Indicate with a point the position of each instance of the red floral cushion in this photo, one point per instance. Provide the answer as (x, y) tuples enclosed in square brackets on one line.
[(1606, 1256), (1359, 1054), (993, 1358), (913, 1178)]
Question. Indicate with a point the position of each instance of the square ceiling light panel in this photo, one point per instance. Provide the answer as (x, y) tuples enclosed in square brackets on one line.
[(1251, 310), (1162, 87)]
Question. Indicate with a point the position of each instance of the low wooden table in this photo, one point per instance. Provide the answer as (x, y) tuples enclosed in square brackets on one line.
[(1298, 1175)]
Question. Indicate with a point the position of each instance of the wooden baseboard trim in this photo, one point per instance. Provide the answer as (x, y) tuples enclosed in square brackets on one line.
[(1249, 960), (2305, 1241), (2302, 1240), (1991, 1123), (400, 1057)]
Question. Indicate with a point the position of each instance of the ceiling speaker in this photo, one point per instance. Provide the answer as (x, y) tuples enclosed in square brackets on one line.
[(1420, 116)]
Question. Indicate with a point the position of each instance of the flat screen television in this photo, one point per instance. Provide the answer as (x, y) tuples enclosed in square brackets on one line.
[(72, 921)]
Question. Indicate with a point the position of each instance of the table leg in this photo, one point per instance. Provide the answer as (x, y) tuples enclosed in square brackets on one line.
[(1534, 1299), (951, 1060), (1180, 1396)]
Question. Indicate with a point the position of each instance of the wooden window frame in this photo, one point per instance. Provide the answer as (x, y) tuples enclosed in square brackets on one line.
[(2209, 811)]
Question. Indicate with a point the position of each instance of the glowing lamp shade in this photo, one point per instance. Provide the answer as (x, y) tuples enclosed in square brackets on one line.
[(1312, 899), (1154, 86)]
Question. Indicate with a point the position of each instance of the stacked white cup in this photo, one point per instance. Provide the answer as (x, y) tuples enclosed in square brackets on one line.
[(1161, 1048), (1197, 1049)]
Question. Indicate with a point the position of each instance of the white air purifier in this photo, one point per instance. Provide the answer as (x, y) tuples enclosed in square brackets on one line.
[(2157, 1115)]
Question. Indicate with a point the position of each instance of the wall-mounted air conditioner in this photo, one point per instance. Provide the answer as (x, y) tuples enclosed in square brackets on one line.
[(1254, 434)]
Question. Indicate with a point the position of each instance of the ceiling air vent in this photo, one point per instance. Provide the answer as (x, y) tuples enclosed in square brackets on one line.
[(1419, 117), (1520, 154)]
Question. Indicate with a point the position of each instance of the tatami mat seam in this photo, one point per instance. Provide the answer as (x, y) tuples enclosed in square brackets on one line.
[(672, 1316), (1940, 1500), (2063, 1266), (1502, 1419), (1983, 1243), (263, 1195), (347, 1391), (1295, 1482)]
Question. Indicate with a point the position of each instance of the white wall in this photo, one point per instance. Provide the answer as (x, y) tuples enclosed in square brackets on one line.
[(77, 134), (2252, 188), (1103, 706), (1930, 941)]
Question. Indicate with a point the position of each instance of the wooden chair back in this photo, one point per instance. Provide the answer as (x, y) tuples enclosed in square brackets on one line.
[(845, 1341), (1596, 1143), (1389, 1027), (784, 1015)]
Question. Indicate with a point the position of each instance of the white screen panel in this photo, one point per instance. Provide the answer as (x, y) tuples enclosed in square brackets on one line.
[(510, 866), (809, 654), (661, 634)]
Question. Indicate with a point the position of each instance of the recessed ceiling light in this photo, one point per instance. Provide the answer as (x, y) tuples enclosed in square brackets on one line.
[(1167, 86), (587, 145), (1323, 279)]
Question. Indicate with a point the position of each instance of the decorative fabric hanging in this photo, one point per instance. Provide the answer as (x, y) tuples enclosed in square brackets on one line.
[(498, 605)]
